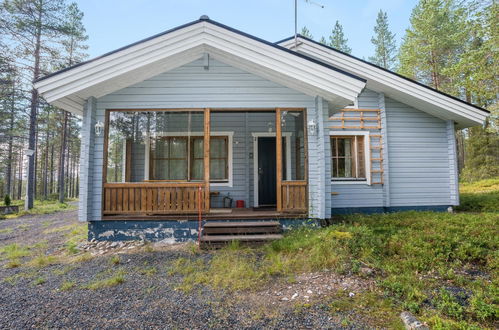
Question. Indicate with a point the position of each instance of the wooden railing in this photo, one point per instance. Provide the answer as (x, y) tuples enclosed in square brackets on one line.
[(294, 196), (153, 198)]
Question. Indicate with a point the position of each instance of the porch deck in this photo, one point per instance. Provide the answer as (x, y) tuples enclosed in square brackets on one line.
[(215, 214)]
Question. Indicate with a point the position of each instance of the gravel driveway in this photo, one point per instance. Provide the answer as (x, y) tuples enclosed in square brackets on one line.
[(57, 294)]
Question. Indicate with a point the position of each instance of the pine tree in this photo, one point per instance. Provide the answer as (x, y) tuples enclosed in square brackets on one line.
[(323, 41), (337, 39), (477, 75), (75, 47), (384, 43), (33, 27), (306, 33), (433, 43)]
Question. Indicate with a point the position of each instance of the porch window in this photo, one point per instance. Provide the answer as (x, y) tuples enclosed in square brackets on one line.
[(348, 158), (219, 162), (169, 158)]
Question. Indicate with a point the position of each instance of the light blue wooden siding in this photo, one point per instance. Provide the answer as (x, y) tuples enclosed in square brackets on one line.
[(420, 166), (419, 157), (358, 195), (222, 86), (87, 161)]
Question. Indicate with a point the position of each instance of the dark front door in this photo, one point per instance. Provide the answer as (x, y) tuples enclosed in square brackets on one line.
[(266, 171)]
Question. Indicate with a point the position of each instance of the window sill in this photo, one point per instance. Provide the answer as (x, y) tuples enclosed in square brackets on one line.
[(220, 184), (350, 182)]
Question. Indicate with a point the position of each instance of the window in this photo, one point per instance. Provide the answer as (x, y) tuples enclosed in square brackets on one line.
[(219, 162), (178, 158), (348, 158), (169, 158)]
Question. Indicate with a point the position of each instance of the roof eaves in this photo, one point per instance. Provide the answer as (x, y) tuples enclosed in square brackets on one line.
[(216, 24), (386, 70), (119, 49)]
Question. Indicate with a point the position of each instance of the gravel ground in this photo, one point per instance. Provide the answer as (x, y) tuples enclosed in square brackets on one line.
[(31, 297)]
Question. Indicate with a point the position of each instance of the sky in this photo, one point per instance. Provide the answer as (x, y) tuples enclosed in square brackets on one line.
[(112, 24)]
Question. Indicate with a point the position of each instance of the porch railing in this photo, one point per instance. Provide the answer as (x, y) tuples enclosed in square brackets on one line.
[(153, 198), (294, 196)]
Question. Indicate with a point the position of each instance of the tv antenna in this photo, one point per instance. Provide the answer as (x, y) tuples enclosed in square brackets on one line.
[(296, 17)]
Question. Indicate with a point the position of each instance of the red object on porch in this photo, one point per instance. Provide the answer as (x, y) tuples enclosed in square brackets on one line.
[(240, 204)]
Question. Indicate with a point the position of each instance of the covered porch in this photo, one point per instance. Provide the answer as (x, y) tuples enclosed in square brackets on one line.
[(178, 164)]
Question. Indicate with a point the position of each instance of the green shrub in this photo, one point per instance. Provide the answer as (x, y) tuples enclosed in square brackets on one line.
[(6, 200)]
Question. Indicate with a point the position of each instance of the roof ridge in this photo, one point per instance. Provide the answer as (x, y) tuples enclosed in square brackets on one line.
[(205, 19)]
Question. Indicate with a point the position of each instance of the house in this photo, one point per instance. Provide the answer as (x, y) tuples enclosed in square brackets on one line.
[(291, 131)]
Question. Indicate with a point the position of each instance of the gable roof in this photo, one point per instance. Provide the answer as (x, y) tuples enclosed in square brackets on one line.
[(393, 85), (70, 87)]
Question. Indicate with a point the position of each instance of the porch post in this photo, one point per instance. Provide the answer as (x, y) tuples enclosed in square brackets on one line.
[(206, 159), (278, 145)]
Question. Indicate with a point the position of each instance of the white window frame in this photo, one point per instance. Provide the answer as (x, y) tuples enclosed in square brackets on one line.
[(367, 157), (230, 139)]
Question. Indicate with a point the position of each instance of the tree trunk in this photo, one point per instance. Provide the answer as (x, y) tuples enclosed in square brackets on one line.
[(46, 159), (8, 188), (20, 182), (62, 158), (51, 183), (30, 193)]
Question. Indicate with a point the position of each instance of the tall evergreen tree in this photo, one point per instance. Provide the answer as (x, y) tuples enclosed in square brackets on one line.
[(306, 33), (337, 39), (34, 27), (323, 41), (74, 45), (477, 75), (384, 43), (433, 43)]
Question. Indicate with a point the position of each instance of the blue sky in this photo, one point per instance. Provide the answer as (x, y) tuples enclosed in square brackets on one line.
[(112, 24)]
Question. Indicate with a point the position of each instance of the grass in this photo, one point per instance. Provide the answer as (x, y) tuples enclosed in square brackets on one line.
[(40, 207), (39, 281), (115, 260), (7, 230), (117, 278), (67, 285), (422, 261), (42, 261), (481, 196), (13, 253)]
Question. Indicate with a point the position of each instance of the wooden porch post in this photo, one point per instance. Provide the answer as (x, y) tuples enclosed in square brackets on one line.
[(207, 159), (278, 145)]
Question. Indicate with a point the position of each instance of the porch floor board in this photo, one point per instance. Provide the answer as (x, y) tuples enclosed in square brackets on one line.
[(236, 214)]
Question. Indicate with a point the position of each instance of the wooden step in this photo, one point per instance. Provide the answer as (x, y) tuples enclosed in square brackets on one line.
[(229, 224), (242, 230), (242, 238)]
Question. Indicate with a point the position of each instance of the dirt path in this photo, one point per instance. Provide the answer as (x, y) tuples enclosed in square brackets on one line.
[(74, 293)]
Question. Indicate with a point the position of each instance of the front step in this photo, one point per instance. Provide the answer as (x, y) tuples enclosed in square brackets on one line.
[(218, 233)]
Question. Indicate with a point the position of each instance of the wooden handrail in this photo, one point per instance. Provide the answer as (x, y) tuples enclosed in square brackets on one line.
[(294, 183), (152, 184)]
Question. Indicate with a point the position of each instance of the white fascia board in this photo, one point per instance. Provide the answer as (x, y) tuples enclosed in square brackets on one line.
[(269, 66), (288, 77), (115, 79), (286, 59), (96, 65), (275, 77), (163, 53), (136, 62), (394, 86)]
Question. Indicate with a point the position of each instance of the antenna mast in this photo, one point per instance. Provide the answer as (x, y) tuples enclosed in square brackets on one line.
[(296, 17)]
